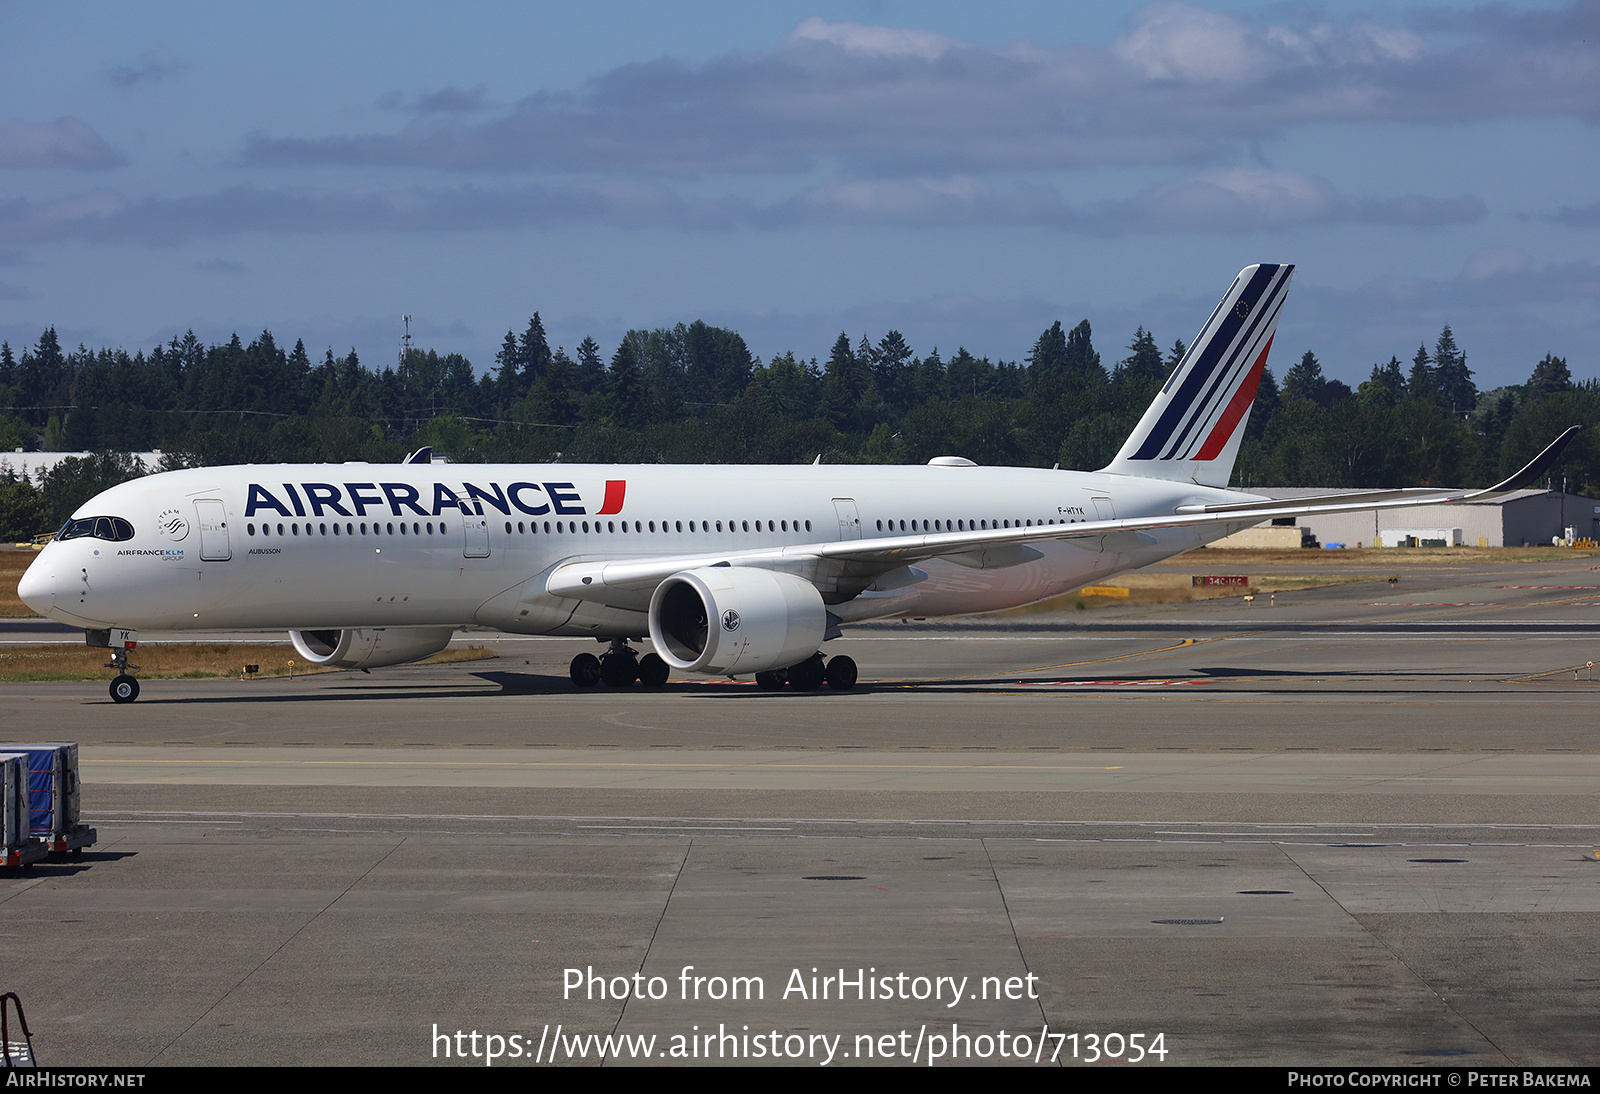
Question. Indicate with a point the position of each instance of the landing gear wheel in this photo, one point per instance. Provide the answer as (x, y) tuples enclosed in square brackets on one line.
[(124, 689), (771, 680), (653, 671), (585, 670), (841, 673), (618, 670), (807, 675)]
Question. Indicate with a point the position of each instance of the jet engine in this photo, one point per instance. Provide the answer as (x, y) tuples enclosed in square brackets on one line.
[(370, 647), (733, 620)]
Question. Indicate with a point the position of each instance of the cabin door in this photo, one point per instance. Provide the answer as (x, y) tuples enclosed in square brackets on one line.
[(213, 521)]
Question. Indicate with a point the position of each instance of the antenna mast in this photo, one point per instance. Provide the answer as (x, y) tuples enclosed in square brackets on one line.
[(405, 342)]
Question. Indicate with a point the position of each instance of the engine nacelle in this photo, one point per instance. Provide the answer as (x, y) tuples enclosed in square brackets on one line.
[(370, 647), (735, 620)]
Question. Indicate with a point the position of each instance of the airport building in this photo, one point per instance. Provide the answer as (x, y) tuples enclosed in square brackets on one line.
[(1523, 517), (34, 465)]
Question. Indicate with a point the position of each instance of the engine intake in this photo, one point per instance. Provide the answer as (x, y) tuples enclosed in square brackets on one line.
[(370, 647), (733, 620)]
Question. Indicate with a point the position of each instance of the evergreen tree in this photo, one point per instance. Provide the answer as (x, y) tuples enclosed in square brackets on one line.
[(1420, 384), (1550, 376), (1390, 376), (1143, 361), (508, 364), (533, 354), (1451, 376), (892, 372), (1080, 353), (844, 384), (1305, 380), (625, 387), (591, 367), (1048, 358)]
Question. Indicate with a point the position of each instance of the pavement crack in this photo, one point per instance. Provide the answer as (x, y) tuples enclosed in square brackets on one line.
[(1395, 955), (665, 904), (276, 951), (1016, 940)]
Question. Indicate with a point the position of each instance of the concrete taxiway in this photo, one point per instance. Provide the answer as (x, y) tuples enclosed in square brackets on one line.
[(1358, 826)]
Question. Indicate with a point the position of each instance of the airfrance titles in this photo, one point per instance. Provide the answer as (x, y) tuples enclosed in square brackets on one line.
[(354, 499)]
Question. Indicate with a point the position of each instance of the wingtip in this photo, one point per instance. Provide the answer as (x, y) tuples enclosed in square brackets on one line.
[(1539, 464)]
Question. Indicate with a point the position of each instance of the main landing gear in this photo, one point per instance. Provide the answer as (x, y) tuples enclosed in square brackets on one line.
[(839, 673), (621, 665), (125, 688), (618, 667)]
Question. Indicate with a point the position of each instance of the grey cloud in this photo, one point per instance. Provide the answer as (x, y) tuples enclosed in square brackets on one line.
[(12, 292), (1579, 216), (446, 100), (108, 217), (149, 70), (1185, 85), (1227, 202), (63, 143), (1218, 202), (221, 266), (1259, 200)]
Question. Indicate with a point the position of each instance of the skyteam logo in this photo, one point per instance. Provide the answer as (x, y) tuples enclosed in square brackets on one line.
[(172, 525), (730, 620)]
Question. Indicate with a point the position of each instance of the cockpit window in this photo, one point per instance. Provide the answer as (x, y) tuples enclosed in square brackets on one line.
[(114, 529)]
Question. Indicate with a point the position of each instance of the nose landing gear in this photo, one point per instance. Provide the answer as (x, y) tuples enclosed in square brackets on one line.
[(125, 688)]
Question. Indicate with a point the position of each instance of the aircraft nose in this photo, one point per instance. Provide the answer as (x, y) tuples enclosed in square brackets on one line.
[(38, 586)]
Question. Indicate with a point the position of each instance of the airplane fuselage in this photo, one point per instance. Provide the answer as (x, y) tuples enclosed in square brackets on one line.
[(371, 545)]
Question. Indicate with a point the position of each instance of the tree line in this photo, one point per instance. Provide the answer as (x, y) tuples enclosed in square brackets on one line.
[(695, 393)]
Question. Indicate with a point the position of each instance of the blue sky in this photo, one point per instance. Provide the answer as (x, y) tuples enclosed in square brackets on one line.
[(965, 176)]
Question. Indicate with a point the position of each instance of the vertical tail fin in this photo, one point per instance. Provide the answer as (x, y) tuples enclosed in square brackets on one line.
[(1191, 432)]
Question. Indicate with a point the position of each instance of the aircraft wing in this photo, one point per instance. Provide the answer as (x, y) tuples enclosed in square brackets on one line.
[(995, 548)]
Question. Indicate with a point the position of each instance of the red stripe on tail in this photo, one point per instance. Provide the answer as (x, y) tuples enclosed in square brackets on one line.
[(1237, 406)]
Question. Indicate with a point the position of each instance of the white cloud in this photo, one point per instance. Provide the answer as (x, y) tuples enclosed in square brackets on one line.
[(1177, 42), (1185, 85), (63, 143), (874, 41)]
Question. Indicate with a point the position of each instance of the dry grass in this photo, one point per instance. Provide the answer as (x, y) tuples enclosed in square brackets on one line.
[(1145, 589), (193, 660), (1231, 559), (14, 560)]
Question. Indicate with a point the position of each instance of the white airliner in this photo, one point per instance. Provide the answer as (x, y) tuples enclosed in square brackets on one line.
[(729, 570)]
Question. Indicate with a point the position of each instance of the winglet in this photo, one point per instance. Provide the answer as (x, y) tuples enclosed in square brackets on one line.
[(1536, 467)]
